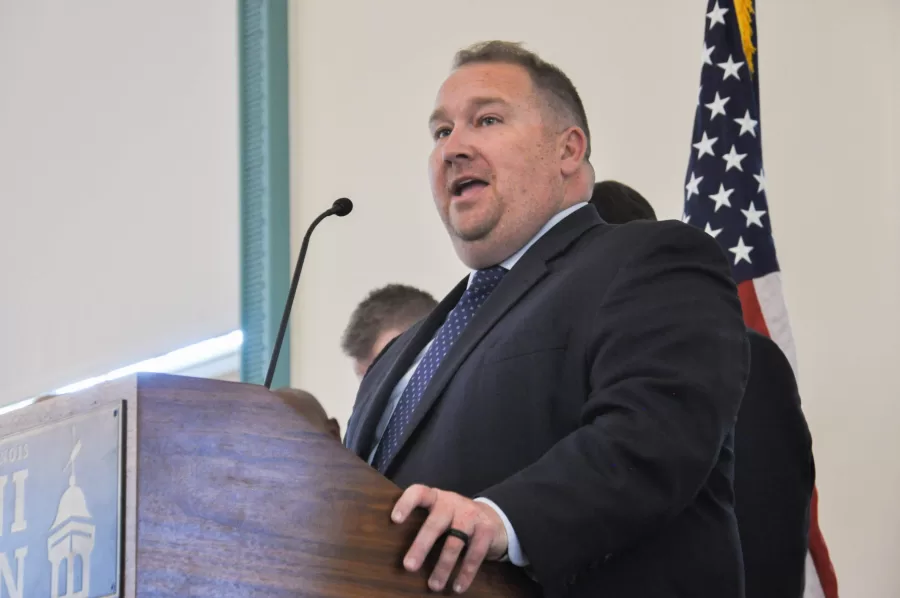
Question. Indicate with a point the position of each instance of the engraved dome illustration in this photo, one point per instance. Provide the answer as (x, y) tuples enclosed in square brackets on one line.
[(71, 540)]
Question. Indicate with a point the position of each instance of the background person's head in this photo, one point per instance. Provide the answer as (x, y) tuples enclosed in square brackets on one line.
[(618, 203), (383, 315), (511, 149)]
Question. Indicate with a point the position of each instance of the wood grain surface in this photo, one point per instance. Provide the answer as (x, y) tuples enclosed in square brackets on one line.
[(240, 496), (229, 492)]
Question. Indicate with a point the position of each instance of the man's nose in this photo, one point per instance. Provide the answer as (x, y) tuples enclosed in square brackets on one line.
[(457, 146)]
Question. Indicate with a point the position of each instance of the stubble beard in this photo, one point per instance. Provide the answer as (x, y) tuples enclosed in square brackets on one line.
[(476, 234), (475, 245)]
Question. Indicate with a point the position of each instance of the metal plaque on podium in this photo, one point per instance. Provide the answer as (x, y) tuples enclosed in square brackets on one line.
[(61, 515)]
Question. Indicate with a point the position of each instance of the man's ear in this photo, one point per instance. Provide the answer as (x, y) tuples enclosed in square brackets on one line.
[(572, 150)]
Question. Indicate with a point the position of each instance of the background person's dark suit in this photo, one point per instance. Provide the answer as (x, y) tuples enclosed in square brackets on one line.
[(592, 398), (774, 471), (773, 475)]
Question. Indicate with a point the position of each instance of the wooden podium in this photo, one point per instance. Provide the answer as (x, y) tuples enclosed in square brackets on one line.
[(223, 491)]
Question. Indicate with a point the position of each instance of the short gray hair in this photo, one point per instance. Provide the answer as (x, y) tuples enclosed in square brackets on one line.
[(556, 86)]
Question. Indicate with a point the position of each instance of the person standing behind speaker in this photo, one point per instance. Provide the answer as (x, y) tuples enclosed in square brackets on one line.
[(774, 472), (618, 203), (569, 406), (382, 316)]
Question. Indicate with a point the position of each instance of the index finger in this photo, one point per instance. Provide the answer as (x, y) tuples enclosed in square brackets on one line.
[(416, 495)]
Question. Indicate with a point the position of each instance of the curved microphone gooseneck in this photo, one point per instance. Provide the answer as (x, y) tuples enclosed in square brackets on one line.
[(340, 207)]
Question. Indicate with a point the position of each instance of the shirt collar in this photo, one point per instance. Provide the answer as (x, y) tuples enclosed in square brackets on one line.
[(509, 262)]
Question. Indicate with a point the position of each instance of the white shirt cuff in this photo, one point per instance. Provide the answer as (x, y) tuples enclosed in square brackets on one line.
[(514, 549)]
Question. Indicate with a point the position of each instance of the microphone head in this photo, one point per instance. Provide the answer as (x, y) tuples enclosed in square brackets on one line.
[(342, 206)]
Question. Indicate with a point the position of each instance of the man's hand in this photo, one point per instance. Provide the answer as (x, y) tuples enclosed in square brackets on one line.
[(487, 536)]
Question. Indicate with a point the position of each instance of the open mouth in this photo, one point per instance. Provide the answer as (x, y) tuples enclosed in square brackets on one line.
[(463, 186)]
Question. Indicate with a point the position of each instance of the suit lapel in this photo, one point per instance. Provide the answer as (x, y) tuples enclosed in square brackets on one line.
[(361, 427), (530, 269)]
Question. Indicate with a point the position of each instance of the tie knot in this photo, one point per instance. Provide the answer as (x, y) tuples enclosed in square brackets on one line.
[(484, 281)]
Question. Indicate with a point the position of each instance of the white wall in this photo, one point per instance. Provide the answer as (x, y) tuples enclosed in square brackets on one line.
[(831, 120), (364, 75), (118, 184)]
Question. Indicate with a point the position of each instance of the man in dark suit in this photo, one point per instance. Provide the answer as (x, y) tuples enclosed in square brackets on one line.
[(569, 406), (774, 472), (774, 476)]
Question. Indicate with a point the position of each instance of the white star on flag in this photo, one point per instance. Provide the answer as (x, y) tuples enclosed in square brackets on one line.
[(731, 68), (704, 146), (693, 186), (741, 251), (707, 54), (722, 198), (748, 125), (717, 107), (761, 179), (754, 216), (686, 218), (729, 72), (716, 16), (711, 231), (733, 160)]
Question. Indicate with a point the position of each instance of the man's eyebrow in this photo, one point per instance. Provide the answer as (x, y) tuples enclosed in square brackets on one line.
[(441, 115)]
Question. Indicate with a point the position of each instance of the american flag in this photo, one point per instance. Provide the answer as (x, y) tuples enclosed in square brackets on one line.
[(725, 195)]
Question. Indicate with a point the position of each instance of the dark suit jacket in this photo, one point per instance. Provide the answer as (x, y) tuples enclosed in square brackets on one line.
[(773, 475), (592, 398)]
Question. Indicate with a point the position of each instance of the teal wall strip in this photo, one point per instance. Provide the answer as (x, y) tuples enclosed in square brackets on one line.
[(265, 184)]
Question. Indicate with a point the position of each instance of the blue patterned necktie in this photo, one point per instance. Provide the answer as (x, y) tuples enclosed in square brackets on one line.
[(483, 284)]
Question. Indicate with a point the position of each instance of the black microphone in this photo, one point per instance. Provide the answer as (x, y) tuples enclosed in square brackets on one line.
[(340, 207)]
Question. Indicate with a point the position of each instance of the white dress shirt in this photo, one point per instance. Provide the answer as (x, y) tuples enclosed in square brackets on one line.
[(515, 554)]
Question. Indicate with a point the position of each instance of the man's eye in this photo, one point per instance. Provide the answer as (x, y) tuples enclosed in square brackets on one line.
[(489, 120), (442, 132)]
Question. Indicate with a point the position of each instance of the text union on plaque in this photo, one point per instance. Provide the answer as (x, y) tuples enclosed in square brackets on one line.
[(61, 498)]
